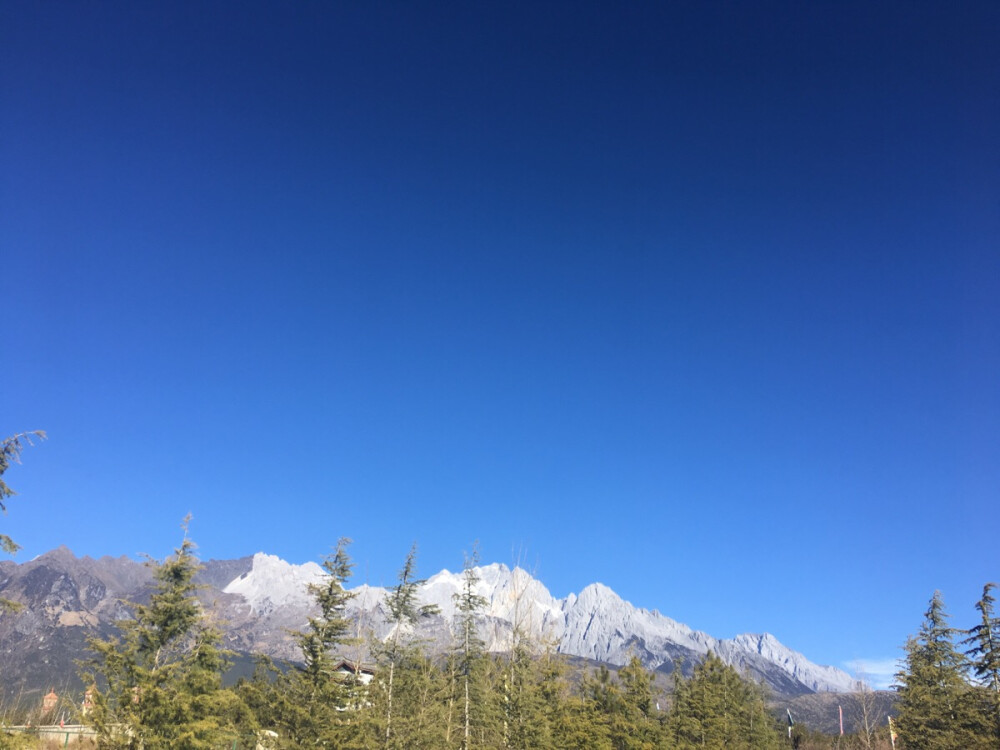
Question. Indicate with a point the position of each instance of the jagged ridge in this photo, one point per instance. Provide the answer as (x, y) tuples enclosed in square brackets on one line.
[(258, 601), (596, 624)]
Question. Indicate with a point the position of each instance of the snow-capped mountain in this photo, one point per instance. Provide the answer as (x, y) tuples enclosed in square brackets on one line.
[(258, 602), (597, 624), (272, 583)]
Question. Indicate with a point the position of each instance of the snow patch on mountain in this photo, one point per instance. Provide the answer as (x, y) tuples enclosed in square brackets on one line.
[(814, 676), (601, 625), (596, 624), (272, 583)]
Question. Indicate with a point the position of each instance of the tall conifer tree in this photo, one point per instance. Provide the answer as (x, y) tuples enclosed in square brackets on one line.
[(332, 627), (639, 705), (160, 681), (404, 612), (10, 452), (936, 705), (719, 710), (984, 656), (469, 605), (318, 695)]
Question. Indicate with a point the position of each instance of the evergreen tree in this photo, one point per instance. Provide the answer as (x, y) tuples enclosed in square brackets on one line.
[(624, 714), (332, 627), (268, 697), (421, 690), (469, 662), (10, 452), (315, 697), (518, 705), (639, 707), (984, 655), (608, 721), (404, 612), (585, 723), (936, 705), (682, 721), (521, 721), (160, 681), (562, 728), (717, 709), (17, 741)]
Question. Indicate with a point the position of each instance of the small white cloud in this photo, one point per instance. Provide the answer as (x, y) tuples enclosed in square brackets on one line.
[(879, 673)]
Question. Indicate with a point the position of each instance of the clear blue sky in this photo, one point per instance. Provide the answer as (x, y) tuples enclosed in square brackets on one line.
[(699, 300)]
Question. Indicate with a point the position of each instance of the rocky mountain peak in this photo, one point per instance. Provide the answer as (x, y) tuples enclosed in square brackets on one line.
[(264, 598), (272, 583)]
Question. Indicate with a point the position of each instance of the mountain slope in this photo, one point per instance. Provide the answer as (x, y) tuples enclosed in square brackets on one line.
[(597, 624), (259, 600)]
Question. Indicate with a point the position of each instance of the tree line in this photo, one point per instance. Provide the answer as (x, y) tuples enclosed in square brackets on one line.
[(949, 697), (947, 689), (158, 683)]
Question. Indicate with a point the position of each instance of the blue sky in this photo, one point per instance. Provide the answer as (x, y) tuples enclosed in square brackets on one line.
[(699, 300)]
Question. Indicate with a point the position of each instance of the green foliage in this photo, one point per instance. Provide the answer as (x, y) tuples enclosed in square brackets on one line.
[(398, 652), (638, 707), (306, 706), (469, 655), (717, 709), (984, 642), (159, 682), (10, 453), (17, 741), (983, 652), (403, 603), (570, 717), (621, 710), (512, 701), (937, 707), (332, 628), (523, 721), (419, 701)]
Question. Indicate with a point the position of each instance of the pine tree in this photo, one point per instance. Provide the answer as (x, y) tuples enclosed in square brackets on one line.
[(518, 705), (268, 697), (470, 651), (160, 681), (608, 705), (316, 695), (422, 691), (936, 704), (404, 612), (623, 708), (682, 722), (332, 627), (585, 723), (984, 655), (10, 452), (719, 710), (561, 728), (638, 705)]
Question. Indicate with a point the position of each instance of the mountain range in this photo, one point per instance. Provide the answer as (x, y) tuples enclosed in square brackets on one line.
[(257, 601)]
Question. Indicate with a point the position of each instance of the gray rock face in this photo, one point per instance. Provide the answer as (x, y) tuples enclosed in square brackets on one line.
[(257, 601), (597, 624)]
